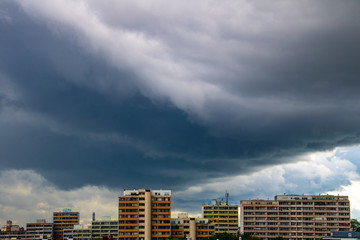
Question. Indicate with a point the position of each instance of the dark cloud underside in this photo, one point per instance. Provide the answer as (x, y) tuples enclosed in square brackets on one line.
[(78, 118)]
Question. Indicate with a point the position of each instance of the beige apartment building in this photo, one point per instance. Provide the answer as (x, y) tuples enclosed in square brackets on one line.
[(295, 217), (224, 216), (105, 228), (78, 232), (145, 215), (191, 228), (39, 230), (10, 231)]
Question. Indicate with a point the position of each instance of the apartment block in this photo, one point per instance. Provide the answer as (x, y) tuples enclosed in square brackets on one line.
[(296, 217), (10, 231), (78, 232), (105, 228), (224, 216), (39, 230), (145, 214), (193, 228), (66, 219)]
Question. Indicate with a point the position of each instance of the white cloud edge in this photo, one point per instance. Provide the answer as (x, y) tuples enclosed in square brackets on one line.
[(26, 196)]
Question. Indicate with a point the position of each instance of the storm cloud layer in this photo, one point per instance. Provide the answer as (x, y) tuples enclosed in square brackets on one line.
[(167, 93)]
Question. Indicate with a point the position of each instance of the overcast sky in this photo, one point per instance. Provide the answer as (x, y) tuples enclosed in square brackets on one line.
[(256, 97)]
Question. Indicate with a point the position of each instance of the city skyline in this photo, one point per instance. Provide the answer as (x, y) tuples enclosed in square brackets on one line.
[(252, 97), (289, 215)]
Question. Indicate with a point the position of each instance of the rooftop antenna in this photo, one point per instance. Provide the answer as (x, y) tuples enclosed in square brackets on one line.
[(227, 197)]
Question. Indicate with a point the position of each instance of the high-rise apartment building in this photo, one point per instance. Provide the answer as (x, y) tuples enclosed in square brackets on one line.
[(39, 230), (295, 217), (224, 216), (66, 219), (145, 214)]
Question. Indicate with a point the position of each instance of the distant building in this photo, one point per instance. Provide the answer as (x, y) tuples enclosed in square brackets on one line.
[(39, 230), (100, 229), (194, 228), (78, 232), (66, 219), (145, 214), (10, 231), (105, 228), (296, 217), (343, 236), (224, 216)]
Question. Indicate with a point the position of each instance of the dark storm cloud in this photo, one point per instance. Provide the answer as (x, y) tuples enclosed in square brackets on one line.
[(245, 85)]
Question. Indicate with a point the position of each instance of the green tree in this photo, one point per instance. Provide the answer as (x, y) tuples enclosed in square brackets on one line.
[(223, 236), (247, 236), (355, 225)]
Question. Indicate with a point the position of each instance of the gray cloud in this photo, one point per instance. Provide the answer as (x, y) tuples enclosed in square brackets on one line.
[(162, 93), (314, 173)]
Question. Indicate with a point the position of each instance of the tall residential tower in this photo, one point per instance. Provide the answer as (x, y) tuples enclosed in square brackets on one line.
[(145, 214)]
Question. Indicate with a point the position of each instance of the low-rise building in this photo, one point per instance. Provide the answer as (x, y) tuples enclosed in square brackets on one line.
[(191, 228), (78, 232), (10, 231), (105, 228), (224, 216), (39, 230)]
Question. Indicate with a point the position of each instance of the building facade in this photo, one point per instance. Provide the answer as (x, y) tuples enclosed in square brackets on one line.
[(104, 228), (145, 214), (224, 216), (10, 231), (66, 219), (296, 217), (192, 228), (39, 230), (78, 232)]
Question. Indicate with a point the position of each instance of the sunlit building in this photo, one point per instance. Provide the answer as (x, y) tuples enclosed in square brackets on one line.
[(145, 214), (66, 219), (224, 216), (105, 228), (191, 228), (10, 231), (77, 232), (39, 230), (296, 217)]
